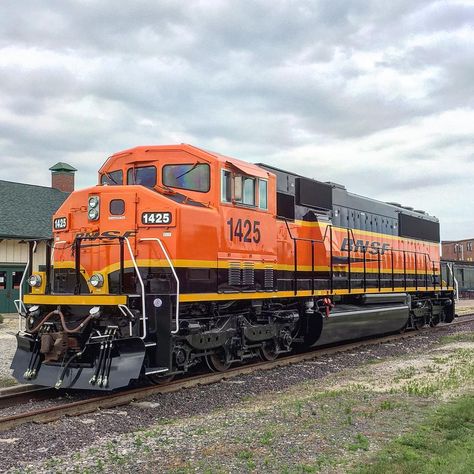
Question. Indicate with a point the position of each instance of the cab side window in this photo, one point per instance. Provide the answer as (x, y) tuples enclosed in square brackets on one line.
[(243, 189), (226, 186), (262, 194), (248, 191)]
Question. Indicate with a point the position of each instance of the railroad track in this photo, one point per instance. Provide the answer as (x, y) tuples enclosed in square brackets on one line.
[(124, 397)]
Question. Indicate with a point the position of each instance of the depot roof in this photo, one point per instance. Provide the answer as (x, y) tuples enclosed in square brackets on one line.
[(26, 210)]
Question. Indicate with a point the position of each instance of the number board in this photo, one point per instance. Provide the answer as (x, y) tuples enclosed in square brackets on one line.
[(60, 223), (245, 231), (156, 218)]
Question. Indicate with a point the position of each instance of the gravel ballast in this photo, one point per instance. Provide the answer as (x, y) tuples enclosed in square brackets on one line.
[(29, 444)]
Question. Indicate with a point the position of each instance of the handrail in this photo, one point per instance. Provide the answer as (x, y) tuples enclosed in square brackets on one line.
[(20, 292), (170, 263), (125, 310), (19, 304), (53, 248), (455, 281), (142, 285), (350, 231)]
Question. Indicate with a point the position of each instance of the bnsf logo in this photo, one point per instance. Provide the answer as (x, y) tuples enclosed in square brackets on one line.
[(108, 234), (360, 246)]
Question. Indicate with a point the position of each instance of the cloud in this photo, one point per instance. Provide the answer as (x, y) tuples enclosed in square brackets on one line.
[(373, 95)]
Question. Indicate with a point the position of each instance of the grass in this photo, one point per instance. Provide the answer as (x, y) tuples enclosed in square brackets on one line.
[(405, 373), (444, 443), (462, 337), (361, 442), (7, 381)]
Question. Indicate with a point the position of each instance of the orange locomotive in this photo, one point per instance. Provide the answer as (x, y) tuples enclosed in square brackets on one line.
[(181, 257)]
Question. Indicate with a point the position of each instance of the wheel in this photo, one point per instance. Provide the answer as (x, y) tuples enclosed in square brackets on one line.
[(268, 351), (160, 379), (218, 362), (418, 323), (434, 322)]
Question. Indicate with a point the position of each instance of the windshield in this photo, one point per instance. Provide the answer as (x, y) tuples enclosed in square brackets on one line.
[(145, 175), (194, 177), (112, 178)]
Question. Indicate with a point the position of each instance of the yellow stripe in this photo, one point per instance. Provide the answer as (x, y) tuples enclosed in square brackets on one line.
[(258, 266), (190, 297), (90, 300)]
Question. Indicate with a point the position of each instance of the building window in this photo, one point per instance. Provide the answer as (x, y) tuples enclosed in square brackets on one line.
[(16, 280), (469, 246)]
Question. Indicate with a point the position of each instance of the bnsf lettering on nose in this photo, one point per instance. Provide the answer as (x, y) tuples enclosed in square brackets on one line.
[(110, 234), (372, 247)]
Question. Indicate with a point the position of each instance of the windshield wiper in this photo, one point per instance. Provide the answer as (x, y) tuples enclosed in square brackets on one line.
[(110, 178), (189, 170)]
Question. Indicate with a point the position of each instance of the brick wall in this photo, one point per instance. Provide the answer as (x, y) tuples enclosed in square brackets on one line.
[(462, 250), (64, 181)]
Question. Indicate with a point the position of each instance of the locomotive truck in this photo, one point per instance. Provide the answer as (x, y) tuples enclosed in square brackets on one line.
[(182, 257)]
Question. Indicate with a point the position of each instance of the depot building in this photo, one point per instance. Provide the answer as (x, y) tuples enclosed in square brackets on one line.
[(26, 212)]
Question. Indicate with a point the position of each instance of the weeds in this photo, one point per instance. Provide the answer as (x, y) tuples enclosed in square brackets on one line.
[(405, 373), (267, 438), (361, 442)]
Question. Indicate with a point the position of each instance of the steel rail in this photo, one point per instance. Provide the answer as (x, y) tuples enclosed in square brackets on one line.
[(49, 414), (15, 395)]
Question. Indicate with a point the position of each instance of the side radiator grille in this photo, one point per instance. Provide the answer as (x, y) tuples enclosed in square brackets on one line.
[(235, 276), (248, 273), (268, 277)]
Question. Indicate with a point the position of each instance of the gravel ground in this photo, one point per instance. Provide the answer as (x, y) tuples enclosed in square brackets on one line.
[(8, 329), (71, 435), (465, 307)]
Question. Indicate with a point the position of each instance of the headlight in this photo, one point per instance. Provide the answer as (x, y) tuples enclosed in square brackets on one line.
[(34, 281), (93, 214), (93, 208), (96, 280), (33, 312)]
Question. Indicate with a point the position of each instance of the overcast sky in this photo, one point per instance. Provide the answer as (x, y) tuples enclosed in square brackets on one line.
[(376, 95)]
